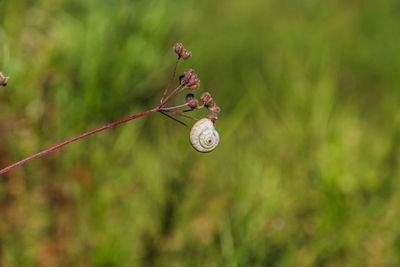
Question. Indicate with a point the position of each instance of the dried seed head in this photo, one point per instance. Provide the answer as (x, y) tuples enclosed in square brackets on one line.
[(181, 51), (178, 49), (215, 109), (212, 116), (187, 75), (191, 101), (209, 103), (190, 78), (3, 80), (186, 54), (194, 84), (206, 98), (188, 97)]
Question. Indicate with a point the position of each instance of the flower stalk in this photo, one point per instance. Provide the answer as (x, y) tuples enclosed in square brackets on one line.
[(187, 81)]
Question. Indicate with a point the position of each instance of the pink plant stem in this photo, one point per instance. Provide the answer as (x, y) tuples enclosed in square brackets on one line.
[(77, 138), (175, 119), (179, 112), (162, 103), (177, 91), (170, 81), (175, 107), (159, 108)]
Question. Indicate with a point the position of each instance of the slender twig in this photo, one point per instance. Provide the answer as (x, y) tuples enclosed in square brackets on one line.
[(175, 119), (177, 91), (178, 112), (77, 138), (190, 80), (175, 107), (169, 96), (197, 108), (170, 81)]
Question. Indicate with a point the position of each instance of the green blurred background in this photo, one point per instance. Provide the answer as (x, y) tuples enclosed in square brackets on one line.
[(307, 170)]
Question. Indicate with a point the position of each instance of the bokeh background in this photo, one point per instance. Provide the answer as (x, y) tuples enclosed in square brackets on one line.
[(307, 170)]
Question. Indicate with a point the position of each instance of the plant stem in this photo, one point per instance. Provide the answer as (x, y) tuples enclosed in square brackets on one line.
[(170, 81), (159, 108), (176, 91), (77, 138), (175, 119), (175, 107), (179, 112)]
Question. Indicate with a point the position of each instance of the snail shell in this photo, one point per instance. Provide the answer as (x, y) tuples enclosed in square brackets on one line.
[(203, 136)]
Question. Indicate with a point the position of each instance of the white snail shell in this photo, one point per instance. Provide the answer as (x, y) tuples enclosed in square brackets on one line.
[(203, 136)]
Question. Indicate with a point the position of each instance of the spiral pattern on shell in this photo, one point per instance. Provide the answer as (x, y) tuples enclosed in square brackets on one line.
[(203, 136)]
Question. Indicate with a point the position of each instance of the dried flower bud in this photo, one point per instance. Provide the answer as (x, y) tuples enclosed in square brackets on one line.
[(186, 54), (206, 98), (188, 97), (193, 78), (195, 84), (209, 103), (3, 80), (191, 101), (187, 75), (190, 78), (181, 51), (178, 49), (212, 116), (215, 109)]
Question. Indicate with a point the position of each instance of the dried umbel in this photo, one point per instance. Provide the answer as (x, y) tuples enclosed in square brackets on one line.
[(210, 104), (192, 102), (182, 52), (178, 48), (203, 135), (190, 78)]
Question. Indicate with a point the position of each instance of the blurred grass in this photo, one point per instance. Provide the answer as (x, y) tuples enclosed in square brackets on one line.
[(307, 171)]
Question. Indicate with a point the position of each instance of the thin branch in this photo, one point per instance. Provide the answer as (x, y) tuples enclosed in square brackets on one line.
[(192, 109), (178, 48), (77, 138), (176, 91), (179, 112), (179, 106), (171, 80), (175, 119)]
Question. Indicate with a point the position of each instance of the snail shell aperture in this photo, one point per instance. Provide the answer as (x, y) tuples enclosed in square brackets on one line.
[(203, 136)]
